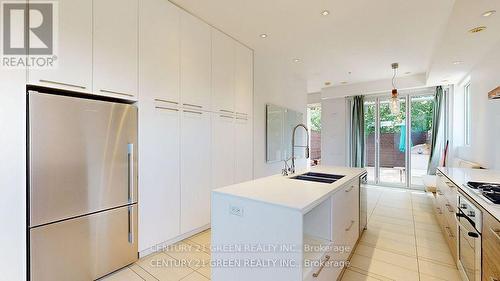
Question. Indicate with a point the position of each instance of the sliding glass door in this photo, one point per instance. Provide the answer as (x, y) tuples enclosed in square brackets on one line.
[(398, 145)]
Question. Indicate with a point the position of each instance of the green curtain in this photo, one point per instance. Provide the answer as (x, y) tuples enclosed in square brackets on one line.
[(436, 145), (358, 132)]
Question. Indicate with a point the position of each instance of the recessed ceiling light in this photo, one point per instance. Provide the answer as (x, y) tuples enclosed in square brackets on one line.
[(477, 29), (445, 81), (344, 82), (457, 62), (325, 13), (263, 35), (296, 60), (489, 13), (406, 73), (328, 83)]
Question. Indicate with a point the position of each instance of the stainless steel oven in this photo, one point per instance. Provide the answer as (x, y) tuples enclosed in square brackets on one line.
[(469, 219)]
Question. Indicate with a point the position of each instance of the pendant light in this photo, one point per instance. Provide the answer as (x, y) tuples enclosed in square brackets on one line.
[(394, 104)]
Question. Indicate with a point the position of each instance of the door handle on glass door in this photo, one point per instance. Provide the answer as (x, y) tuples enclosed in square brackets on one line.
[(130, 172)]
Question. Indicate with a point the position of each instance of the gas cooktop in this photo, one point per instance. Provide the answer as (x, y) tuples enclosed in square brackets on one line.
[(490, 191)]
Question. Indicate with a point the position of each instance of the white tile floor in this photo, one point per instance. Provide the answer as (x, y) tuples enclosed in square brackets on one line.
[(403, 242)]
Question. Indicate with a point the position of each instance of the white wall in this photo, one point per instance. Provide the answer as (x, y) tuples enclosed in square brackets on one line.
[(279, 83), (13, 174), (333, 132), (485, 130)]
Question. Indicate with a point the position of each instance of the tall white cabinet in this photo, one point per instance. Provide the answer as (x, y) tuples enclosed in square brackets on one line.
[(115, 30), (195, 169), (195, 60), (73, 69)]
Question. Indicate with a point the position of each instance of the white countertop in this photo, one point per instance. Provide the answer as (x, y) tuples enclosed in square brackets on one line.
[(296, 194), (460, 176)]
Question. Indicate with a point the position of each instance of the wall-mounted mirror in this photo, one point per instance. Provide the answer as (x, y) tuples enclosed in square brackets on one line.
[(280, 124)]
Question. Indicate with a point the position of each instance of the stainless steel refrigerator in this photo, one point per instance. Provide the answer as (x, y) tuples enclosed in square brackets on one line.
[(82, 187)]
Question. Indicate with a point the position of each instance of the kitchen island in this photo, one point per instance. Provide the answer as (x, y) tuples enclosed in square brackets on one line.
[(281, 228)]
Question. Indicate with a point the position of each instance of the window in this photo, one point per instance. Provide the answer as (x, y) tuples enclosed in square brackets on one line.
[(467, 115)]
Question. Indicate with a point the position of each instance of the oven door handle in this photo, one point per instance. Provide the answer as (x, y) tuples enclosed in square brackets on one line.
[(473, 234), (460, 215)]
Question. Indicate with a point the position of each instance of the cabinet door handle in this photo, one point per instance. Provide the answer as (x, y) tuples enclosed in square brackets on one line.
[(62, 84), (350, 226), (439, 192), (450, 185), (495, 232), (240, 118), (439, 211), (194, 112), (227, 111), (166, 108), (193, 105), (167, 101), (315, 275), (349, 189), (241, 113), (225, 116), (494, 279), (116, 93)]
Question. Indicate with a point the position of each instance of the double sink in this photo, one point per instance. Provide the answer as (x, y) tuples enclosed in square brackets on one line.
[(318, 177)]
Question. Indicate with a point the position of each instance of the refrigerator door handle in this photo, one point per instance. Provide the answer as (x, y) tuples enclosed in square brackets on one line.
[(131, 226), (130, 172)]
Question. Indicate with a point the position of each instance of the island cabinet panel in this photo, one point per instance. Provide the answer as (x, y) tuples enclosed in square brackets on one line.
[(73, 65), (195, 169), (115, 48), (159, 208), (491, 248)]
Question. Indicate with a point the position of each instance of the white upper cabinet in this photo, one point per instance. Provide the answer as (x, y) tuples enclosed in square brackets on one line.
[(115, 48), (243, 143), (223, 72), (195, 62), (223, 146), (195, 169), (244, 80), (159, 178), (159, 50), (73, 69)]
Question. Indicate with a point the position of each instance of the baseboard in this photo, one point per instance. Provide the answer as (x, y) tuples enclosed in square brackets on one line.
[(161, 246)]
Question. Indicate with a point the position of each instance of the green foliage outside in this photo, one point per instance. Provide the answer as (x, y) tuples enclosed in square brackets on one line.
[(421, 113), (316, 118)]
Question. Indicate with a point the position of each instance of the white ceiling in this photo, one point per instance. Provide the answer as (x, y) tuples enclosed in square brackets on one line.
[(359, 36)]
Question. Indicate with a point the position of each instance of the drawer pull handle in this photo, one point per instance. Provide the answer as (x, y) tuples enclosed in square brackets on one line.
[(439, 192), (226, 111), (439, 211), (349, 189), (116, 93), (62, 84), (166, 108), (327, 258), (494, 279), (226, 116), (167, 101), (350, 226), (193, 105), (496, 233), (240, 118), (241, 113)]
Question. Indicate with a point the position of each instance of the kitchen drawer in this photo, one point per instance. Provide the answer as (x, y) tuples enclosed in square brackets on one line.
[(440, 206), (491, 248), (450, 235), (327, 268)]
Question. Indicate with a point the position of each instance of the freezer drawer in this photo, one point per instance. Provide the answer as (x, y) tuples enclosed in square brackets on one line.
[(84, 248), (83, 156)]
